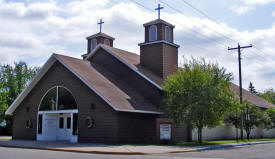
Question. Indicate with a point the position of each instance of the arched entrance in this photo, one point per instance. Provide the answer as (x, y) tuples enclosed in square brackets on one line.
[(57, 116)]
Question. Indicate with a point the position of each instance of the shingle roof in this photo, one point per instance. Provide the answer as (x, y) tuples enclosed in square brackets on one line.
[(134, 60), (157, 21), (252, 98), (100, 34), (117, 92)]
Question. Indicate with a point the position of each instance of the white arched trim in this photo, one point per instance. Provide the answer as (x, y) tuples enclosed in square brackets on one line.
[(168, 34), (153, 33), (56, 111), (93, 44)]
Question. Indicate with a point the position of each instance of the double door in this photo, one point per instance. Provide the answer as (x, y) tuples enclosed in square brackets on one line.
[(64, 128)]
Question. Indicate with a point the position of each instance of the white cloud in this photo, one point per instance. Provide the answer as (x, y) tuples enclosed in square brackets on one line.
[(241, 9), (256, 2), (35, 30), (273, 14)]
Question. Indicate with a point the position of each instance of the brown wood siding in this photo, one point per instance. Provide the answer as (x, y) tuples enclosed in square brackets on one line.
[(137, 128), (106, 124), (127, 75)]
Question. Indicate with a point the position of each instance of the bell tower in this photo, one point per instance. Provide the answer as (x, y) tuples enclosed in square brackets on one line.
[(158, 51), (98, 38)]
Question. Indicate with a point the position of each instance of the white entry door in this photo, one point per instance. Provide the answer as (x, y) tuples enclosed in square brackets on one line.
[(64, 127), (49, 127)]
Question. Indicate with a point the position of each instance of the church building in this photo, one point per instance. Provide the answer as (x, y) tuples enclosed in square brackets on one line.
[(108, 96)]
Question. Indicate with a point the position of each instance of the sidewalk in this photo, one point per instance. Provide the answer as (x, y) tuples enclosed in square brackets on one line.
[(112, 149)]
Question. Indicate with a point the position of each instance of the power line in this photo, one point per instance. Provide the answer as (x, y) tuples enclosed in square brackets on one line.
[(204, 14), (195, 31), (197, 21)]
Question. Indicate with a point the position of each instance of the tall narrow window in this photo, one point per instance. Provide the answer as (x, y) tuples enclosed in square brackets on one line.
[(167, 34), (68, 122), (61, 123), (93, 44), (75, 121), (40, 118), (153, 33), (107, 42)]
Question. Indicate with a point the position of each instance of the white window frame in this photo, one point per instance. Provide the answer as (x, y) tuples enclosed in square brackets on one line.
[(152, 37), (167, 28), (93, 44)]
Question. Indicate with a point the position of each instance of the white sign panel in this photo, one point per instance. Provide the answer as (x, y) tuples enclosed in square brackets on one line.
[(165, 131)]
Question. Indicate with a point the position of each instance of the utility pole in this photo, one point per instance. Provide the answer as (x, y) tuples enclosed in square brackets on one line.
[(240, 82)]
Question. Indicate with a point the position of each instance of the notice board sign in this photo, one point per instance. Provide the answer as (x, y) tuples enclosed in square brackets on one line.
[(165, 131)]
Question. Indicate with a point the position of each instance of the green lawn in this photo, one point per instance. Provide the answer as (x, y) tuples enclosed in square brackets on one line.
[(220, 142)]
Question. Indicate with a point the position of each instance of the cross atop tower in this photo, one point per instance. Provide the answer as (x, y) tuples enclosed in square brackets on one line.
[(100, 24), (158, 9)]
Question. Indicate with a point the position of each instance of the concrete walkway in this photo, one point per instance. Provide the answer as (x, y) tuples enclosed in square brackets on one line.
[(112, 149), (94, 148)]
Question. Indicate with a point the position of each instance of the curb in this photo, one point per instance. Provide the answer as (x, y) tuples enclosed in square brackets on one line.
[(138, 153), (232, 145)]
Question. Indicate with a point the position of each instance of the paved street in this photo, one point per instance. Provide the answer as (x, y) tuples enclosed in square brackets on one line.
[(255, 151)]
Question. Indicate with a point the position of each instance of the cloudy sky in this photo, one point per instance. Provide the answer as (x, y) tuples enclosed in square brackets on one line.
[(32, 30)]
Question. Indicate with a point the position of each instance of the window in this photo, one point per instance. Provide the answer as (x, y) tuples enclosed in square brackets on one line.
[(57, 98), (40, 118), (153, 33), (167, 34), (107, 42), (75, 121), (93, 44), (68, 122), (61, 123)]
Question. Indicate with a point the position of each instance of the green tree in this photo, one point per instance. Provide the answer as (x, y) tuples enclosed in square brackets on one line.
[(3, 102), (252, 117), (199, 94), (13, 79), (269, 95), (252, 89), (269, 118)]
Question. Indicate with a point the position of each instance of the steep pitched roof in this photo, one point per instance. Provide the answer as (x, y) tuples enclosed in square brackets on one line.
[(119, 95), (112, 90)]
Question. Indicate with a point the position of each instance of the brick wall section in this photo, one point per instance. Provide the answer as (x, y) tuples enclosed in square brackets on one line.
[(125, 74), (106, 121), (151, 57), (100, 40), (160, 57), (170, 59)]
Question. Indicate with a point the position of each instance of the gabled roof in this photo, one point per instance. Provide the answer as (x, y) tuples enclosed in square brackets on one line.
[(252, 98), (100, 34), (119, 95), (157, 21)]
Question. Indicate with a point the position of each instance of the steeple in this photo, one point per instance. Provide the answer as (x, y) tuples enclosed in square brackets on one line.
[(158, 51), (98, 38)]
